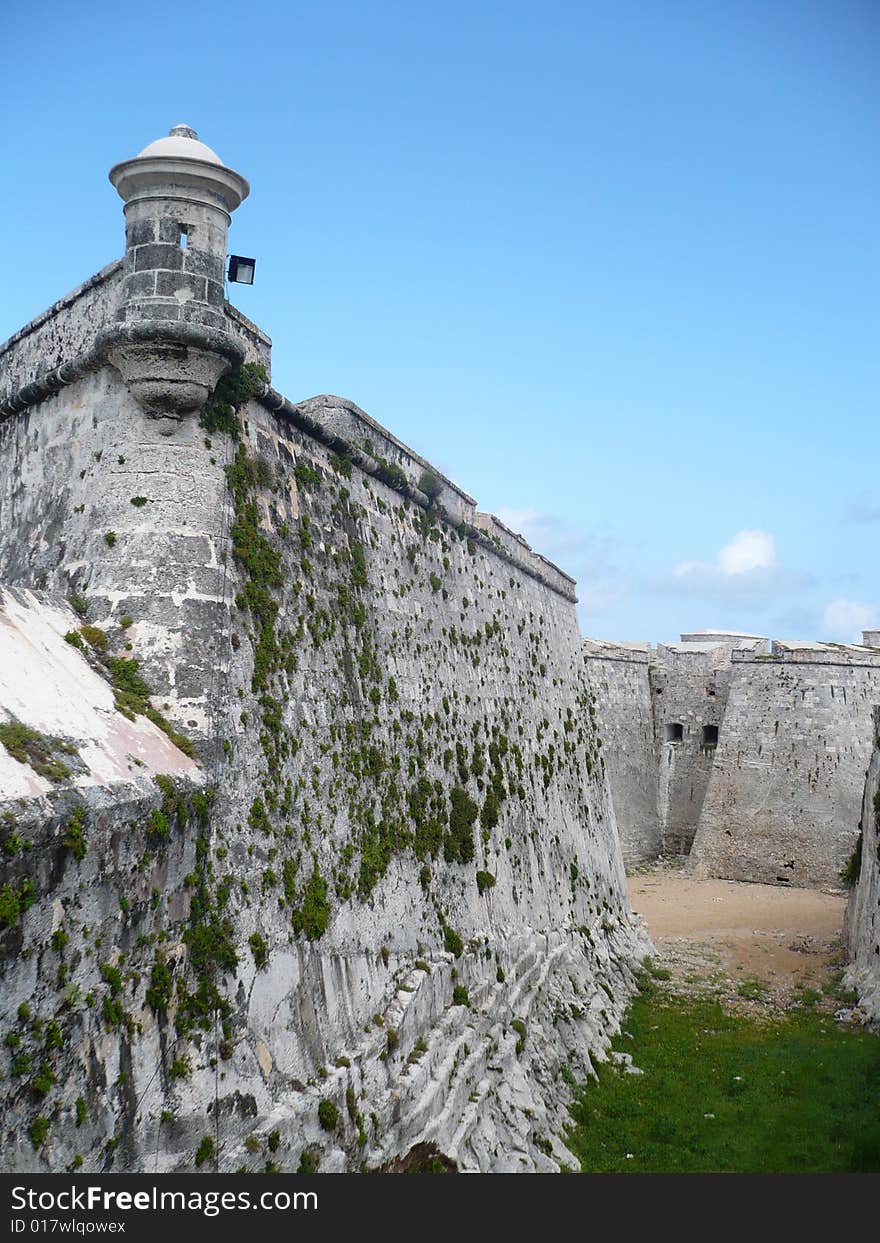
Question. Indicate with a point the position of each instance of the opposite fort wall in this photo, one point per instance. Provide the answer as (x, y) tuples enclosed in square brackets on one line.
[(618, 675), (689, 688), (784, 796), (685, 700), (862, 928)]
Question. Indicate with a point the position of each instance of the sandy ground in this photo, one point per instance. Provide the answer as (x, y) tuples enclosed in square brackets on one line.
[(769, 941)]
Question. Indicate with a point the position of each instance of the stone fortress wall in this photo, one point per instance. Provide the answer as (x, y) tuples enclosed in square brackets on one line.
[(759, 752), (308, 819), (689, 684), (862, 927), (619, 676), (784, 796), (356, 883)]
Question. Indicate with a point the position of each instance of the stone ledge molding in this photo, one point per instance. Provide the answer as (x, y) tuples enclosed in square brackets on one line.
[(141, 353)]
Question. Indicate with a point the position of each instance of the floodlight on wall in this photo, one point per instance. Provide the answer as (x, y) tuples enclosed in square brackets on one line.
[(241, 270)]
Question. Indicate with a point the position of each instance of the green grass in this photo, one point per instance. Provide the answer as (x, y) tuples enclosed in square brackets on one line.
[(752, 990), (723, 1092), (30, 747)]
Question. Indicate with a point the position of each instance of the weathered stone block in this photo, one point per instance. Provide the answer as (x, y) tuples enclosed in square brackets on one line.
[(201, 313), (215, 294), (168, 230), (139, 285), (202, 263), (138, 312), (169, 284), (158, 255), (140, 232)]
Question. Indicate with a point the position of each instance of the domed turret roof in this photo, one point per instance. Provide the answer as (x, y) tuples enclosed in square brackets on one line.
[(180, 161), (181, 143)]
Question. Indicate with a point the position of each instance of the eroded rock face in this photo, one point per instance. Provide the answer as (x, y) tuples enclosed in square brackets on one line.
[(400, 911), (862, 928)]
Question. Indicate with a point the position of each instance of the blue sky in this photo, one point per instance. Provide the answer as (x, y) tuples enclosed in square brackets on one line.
[(612, 265)]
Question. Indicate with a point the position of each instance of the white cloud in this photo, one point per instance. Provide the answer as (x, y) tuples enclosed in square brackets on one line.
[(745, 568), (747, 551), (844, 620)]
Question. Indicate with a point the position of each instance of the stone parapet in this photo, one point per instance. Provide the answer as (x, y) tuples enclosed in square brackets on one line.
[(60, 335), (257, 345), (629, 653), (804, 653), (352, 434)]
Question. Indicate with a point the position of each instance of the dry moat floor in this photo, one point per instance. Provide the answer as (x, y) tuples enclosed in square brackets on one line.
[(757, 947), (742, 1052)]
